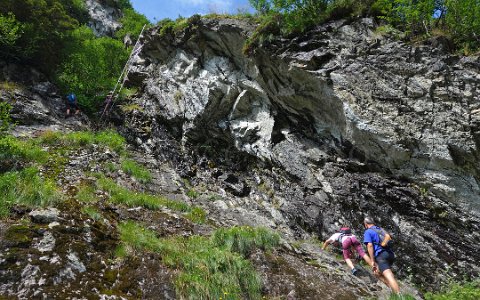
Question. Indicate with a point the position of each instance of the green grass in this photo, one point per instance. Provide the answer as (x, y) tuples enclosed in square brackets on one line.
[(27, 188), (401, 297), (111, 167), (136, 171), (86, 194), (16, 150), (191, 193), (92, 213), (208, 268), (245, 239), (121, 195), (197, 215), (457, 291), (107, 138)]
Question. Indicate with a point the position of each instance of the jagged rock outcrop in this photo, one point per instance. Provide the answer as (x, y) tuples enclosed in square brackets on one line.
[(104, 19), (310, 133), (37, 104)]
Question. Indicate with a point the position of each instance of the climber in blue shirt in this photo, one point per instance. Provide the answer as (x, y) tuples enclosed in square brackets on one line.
[(382, 257), (72, 103)]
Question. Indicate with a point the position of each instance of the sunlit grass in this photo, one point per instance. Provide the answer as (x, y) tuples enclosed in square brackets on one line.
[(27, 188), (135, 170), (209, 268)]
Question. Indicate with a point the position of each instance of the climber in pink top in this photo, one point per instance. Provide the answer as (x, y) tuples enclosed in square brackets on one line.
[(349, 242)]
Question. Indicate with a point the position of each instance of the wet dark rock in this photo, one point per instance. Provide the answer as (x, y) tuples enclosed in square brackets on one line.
[(45, 216)]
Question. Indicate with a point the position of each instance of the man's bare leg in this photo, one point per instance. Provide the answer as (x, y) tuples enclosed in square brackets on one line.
[(390, 280)]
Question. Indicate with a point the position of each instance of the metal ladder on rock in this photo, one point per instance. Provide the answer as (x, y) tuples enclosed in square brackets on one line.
[(110, 101)]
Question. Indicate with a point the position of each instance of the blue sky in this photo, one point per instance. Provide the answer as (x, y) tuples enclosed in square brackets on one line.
[(160, 9)]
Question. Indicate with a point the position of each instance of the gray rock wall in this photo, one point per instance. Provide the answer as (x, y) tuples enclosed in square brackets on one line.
[(104, 20), (324, 128)]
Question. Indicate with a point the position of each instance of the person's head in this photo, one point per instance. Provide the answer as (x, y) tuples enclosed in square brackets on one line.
[(368, 222)]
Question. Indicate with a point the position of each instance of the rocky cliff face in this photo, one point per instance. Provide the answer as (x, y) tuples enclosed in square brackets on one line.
[(104, 20), (310, 133), (37, 104)]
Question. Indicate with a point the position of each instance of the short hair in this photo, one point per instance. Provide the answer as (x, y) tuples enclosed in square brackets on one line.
[(368, 220)]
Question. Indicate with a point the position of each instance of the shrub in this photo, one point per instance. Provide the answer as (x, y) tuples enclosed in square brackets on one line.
[(90, 66), (38, 29), (132, 23), (10, 32), (27, 188)]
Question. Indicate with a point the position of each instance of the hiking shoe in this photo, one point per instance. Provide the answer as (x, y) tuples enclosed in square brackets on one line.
[(354, 272)]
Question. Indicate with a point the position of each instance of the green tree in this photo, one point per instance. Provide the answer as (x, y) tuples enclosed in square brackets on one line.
[(10, 32), (132, 23), (463, 20), (90, 66), (413, 16), (262, 6), (44, 25)]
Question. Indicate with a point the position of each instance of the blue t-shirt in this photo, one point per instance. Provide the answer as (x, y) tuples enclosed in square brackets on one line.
[(370, 236), (71, 98)]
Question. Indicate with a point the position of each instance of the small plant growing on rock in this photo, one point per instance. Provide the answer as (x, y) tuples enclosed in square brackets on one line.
[(177, 96), (137, 171), (191, 193), (5, 119), (457, 291)]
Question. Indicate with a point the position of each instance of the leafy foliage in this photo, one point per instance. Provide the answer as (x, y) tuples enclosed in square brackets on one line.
[(132, 23), (463, 20), (415, 17), (37, 29), (10, 32), (91, 66)]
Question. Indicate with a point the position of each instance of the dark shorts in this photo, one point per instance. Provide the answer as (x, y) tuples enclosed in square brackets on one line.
[(385, 260), (72, 105), (350, 244)]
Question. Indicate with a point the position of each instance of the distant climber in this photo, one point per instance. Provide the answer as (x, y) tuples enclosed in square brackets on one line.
[(127, 41), (348, 243), (380, 253), (72, 103), (107, 103)]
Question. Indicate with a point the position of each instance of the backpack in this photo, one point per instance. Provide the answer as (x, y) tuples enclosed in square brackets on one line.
[(344, 231), (71, 98), (385, 238)]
